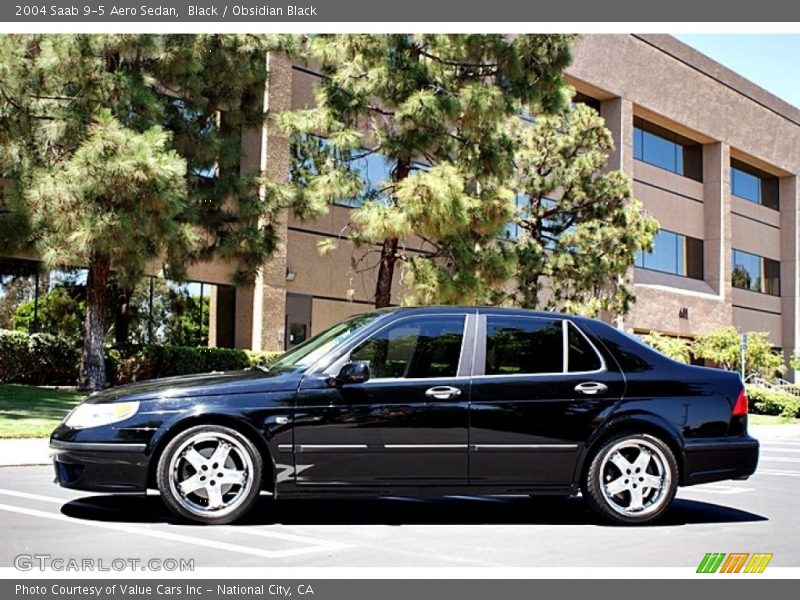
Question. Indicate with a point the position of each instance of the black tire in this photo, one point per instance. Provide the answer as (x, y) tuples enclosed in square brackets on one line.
[(225, 490), (605, 476)]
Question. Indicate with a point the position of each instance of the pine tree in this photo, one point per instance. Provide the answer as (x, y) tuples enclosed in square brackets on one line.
[(114, 203), (78, 111), (579, 227), (440, 110)]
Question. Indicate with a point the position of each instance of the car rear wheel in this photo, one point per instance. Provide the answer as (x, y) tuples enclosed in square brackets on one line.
[(210, 474), (631, 479)]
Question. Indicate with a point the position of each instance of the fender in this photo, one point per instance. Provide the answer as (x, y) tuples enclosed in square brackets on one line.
[(632, 420), (264, 440)]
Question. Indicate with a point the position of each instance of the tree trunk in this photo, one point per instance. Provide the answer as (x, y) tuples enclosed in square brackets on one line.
[(93, 367), (383, 287), (122, 316)]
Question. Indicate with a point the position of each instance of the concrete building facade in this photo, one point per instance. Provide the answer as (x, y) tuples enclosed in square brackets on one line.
[(714, 158)]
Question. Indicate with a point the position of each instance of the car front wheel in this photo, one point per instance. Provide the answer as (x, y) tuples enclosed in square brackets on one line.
[(631, 479), (210, 474)]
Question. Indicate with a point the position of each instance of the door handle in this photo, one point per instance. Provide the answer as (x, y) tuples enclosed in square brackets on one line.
[(591, 388), (443, 392)]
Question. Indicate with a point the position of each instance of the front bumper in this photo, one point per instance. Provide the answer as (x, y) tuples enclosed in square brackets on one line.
[(100, 467), (719, 459)]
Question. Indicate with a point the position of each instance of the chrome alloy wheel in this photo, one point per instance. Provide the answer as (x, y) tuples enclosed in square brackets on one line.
[(635, 478), (211, 474)]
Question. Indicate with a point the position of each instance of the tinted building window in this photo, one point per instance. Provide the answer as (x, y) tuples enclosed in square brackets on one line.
[(754, 185), (663, 148), (518, 346), (580, 354), (414, 348), (513, 231), (587, 100), (772, 277), (673, 253), (374, 170), (756, 273)]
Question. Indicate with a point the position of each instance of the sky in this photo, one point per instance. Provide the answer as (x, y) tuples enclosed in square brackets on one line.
[(769, 60)]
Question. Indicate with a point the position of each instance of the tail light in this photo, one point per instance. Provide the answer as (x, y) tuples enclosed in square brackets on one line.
[(740, 407)]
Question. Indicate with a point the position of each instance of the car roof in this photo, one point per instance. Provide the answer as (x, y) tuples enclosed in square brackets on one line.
[(449, 309)]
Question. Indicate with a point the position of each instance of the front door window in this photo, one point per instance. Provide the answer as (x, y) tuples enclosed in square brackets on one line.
[(414, 348)]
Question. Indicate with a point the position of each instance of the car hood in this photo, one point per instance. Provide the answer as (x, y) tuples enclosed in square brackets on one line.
[(205, 384)]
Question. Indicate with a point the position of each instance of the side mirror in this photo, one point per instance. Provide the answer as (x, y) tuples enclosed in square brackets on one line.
[(353, 372)]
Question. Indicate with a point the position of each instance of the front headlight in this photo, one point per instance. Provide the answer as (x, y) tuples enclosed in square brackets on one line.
[(94, 415)]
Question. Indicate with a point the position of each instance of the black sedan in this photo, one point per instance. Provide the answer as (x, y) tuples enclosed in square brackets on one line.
[(422, 401)]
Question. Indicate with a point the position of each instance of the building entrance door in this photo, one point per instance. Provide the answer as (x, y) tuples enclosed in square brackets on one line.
[(298, 319)]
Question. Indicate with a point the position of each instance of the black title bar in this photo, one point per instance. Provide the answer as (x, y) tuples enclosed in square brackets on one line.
[(362, 11)]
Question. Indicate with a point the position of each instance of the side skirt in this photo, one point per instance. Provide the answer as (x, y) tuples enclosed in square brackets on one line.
[(347, 491)]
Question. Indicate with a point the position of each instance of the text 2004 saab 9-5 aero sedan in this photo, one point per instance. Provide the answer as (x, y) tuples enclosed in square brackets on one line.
[(422, 401)]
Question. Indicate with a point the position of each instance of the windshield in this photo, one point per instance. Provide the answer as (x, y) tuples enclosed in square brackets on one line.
[(310, 351)]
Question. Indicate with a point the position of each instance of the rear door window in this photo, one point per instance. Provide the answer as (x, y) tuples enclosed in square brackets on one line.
[(522, 345)]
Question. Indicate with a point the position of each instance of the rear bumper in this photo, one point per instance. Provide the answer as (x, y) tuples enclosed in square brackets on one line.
[(100, 467), (719, 459)]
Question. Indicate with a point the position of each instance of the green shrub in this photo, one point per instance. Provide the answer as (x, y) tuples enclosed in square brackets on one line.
[(152, 362), (764, 401), (261, 357), (38, 359), (44, 359), (678, 349)]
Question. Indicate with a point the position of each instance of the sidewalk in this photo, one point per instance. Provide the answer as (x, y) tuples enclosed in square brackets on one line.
[(774, 431), (28, 452), (24, 452)]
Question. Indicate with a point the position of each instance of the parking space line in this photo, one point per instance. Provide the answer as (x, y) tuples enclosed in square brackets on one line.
[(314, 545), (778, 472), (39, 497), (289, 537), (777, 444), (715, 488), (779, 459)]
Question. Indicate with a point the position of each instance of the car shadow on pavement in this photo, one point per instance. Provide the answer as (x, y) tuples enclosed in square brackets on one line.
[(447, 510)]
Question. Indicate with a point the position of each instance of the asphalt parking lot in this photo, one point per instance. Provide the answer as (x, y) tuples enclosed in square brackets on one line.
[(757, 515)]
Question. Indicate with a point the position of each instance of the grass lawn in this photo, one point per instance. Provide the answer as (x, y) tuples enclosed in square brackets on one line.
[(770, 420), (28, 411)]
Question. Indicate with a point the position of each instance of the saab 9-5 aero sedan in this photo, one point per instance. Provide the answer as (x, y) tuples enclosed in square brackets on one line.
[(422, 401)]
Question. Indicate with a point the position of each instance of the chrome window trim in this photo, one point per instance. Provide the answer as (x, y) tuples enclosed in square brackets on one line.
[(410, 380)]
